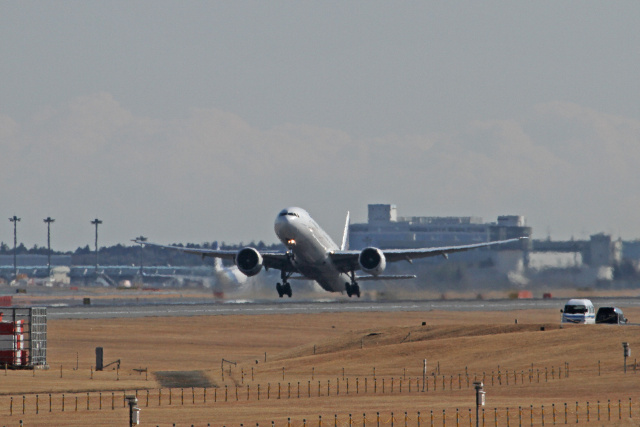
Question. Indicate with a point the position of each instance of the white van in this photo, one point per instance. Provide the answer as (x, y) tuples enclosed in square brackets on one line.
[(579, 311)]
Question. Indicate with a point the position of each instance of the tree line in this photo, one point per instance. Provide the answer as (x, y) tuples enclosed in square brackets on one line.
[(134, 254)]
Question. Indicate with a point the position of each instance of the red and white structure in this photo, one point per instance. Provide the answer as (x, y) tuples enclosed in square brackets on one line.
[(12, 343)]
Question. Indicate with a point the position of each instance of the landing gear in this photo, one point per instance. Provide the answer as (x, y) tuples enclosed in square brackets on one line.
[(352, 289), (284, 288)]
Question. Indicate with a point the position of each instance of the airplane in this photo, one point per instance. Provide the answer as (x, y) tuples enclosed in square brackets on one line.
[(226, 279), (312, 255)]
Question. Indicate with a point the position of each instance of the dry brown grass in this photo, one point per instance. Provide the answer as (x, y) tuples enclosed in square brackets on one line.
[(395, 344)]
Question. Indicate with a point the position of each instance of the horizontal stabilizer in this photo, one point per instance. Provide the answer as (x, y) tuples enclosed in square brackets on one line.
[(394, 277)]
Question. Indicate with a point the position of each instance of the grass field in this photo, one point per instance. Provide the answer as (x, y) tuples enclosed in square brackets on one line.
[(323, 367)]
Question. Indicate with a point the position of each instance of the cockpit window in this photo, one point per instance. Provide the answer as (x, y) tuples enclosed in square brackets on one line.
[(286, 213)]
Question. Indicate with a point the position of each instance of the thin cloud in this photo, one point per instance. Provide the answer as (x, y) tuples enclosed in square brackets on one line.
[(214, 176)]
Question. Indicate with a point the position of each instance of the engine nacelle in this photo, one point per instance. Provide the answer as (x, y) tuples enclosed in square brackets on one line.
[(372, 261), (249, 261)]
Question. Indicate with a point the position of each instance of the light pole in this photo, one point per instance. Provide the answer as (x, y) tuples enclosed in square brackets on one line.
[(96, 222), (15, 221), (49, 220), (141, 239)]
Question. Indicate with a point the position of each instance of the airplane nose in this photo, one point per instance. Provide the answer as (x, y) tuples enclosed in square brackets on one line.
[(282, 226)]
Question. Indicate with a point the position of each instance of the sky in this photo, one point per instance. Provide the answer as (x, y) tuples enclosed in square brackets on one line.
[(198, 121)]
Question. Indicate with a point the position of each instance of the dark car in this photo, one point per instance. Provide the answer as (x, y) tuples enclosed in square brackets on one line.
[(610, 315)]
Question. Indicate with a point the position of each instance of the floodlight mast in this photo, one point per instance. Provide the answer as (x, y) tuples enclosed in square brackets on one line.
[(48, 220), (14, 219), (96, 222), (141, 239)]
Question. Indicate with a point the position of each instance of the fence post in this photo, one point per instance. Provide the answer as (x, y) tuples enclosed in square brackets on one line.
[(520, 415), (588, 417), (531, 415), (619, 409)]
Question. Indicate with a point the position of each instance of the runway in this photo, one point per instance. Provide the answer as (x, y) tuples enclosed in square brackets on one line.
[(182, 309)]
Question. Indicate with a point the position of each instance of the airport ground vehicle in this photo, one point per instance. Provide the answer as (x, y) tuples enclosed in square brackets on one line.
[(611, 315), (579, 311)]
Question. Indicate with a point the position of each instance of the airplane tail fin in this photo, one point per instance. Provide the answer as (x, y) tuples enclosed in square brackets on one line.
[(345, 235)]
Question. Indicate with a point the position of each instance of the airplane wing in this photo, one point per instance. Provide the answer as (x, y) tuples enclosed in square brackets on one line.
[(348, 260), (276, 260)]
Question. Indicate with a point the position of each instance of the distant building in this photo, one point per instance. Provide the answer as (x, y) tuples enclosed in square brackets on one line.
[(386, 230), (604, 251)]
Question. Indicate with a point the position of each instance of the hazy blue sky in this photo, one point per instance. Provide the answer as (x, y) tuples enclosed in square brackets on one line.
[(199, 121)]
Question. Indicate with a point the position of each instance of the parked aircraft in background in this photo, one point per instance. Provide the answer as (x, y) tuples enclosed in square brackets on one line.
[(225, 279), (312, 255)]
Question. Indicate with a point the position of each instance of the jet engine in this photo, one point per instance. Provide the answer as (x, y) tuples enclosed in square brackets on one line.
[(249, 261), (372, 261)]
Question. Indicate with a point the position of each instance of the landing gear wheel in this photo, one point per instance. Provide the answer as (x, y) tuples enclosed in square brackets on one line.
[(287, 289), (347, 287), (352, 289), (355, 290), (279, 289)]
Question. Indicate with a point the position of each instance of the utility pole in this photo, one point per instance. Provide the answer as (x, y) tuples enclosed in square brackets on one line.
[(15, 221), (96, 222), (49, 220)]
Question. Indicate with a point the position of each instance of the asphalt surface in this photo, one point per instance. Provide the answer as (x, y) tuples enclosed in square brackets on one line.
[(134, 309)]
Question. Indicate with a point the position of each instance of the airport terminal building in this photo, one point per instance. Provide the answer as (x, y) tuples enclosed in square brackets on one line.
[(386, 230)]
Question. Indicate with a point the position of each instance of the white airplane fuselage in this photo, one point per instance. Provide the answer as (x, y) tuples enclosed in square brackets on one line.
[(310, 246)]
